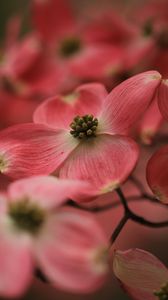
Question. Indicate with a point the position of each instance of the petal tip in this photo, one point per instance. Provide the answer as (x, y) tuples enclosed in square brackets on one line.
[(154, 76), (70, 98), (146, 136), (99, 259), (165, 81), (110, 187), (159, 194), (3, 164)]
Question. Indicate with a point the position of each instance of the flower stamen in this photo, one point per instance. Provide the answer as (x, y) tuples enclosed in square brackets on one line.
[(26, 215), (84, 127), (162, 294)]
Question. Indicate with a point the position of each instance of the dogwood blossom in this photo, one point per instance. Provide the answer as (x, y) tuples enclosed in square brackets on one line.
[(66, 243), (83, 139)]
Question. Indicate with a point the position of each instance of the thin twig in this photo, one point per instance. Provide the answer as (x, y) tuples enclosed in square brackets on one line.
[(119, 227), (136, 218), (140, 220), (130, 215), (116, 203), (122, 199)]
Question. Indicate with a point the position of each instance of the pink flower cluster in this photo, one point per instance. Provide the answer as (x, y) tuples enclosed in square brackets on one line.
[(72, 132)]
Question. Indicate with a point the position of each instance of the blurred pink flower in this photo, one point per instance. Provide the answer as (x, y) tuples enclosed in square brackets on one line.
[(27, 75), (27, 70), (65, 243), (141, 274), (109, 26), (94, 147), (152, 19), (67, 41)]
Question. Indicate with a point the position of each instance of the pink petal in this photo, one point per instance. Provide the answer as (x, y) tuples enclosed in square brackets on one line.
[(140, 272), (32, 149), (163, 99), (48, 191), (126, 103), (59, 111), (150, 123), (15, 109), (157, 174), (105, 162), (96, 62), (22, 57), (47, 78), (15, 261), (52, 18), (137, 51), (70, 251), (108, 27), (156, 10)]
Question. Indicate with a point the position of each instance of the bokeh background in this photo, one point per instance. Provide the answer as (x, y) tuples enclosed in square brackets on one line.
[(154, 240)]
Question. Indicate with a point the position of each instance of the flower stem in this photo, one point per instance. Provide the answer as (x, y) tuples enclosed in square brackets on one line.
[(140, 220), (123, 200), (130, 215), (136, 218), (119, 227)]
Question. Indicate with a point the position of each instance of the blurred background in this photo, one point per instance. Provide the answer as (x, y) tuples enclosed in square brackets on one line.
[(133, 235)]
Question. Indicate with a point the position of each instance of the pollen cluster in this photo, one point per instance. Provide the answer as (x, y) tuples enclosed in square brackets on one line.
[(162, 294), (26, 215), (84, 127)]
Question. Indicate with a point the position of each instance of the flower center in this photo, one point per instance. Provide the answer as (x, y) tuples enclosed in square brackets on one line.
[(162, 294), (13, 86), (148, 28), (161, 37), (84, 127), (26, 215), (70, 46)]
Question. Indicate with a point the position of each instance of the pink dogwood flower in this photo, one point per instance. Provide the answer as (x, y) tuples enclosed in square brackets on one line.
[(142, 275), (27, 75), (157, 174), (152, 17), (66, 244), (27, 70), (81, 135), (25, 67), (67, 41)]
